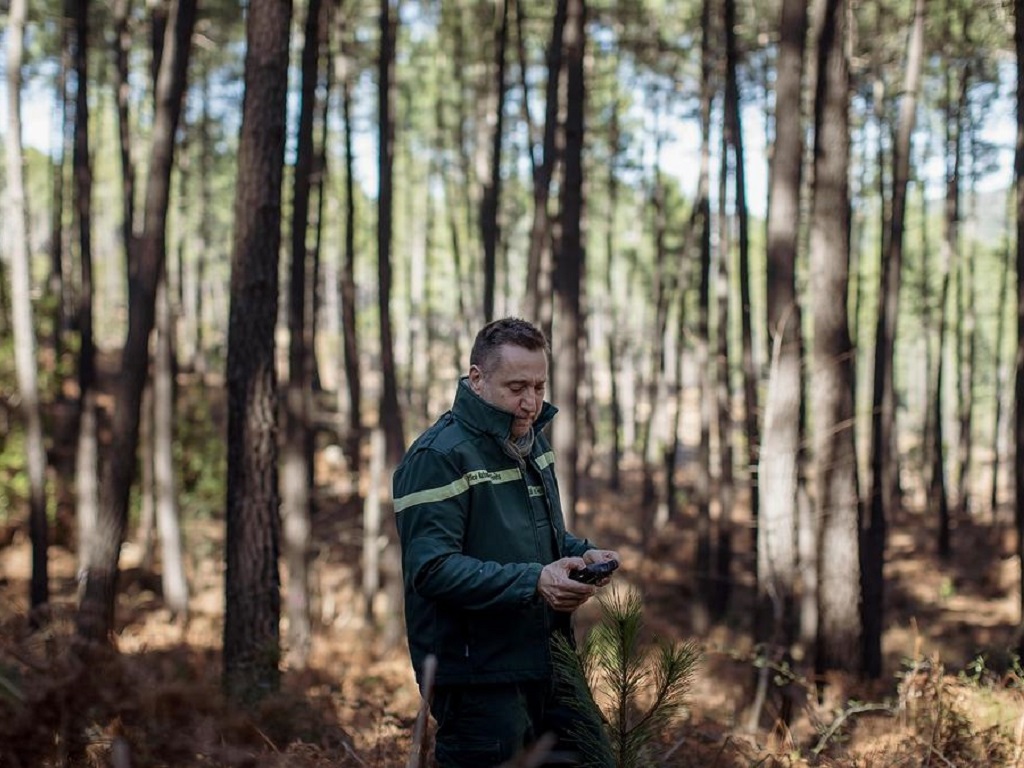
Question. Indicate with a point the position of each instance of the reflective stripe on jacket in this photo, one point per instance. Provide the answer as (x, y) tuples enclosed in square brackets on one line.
[(471, 549)]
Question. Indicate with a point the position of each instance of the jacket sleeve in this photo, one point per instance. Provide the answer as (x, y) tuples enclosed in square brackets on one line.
[(575, 547), (432, 506)]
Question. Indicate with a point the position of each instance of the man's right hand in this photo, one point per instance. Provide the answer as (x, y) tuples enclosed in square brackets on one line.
[(561, 592)]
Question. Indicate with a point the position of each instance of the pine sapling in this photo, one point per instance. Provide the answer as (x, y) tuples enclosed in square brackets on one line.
[(643, 686)]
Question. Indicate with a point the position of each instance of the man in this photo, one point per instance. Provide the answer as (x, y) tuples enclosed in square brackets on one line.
[(486, 560)]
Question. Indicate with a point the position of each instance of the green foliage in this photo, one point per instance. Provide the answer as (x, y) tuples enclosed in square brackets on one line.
[(644, 686), (200, 455)]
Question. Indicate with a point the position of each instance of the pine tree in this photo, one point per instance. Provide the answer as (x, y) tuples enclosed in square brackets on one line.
[(621, 670)]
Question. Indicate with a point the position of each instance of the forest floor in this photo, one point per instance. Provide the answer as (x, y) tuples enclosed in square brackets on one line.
[(951, 693)]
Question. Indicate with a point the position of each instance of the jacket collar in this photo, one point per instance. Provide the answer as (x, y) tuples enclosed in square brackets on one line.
[(480, 415)]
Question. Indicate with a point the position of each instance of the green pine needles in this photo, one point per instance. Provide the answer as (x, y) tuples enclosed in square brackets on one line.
[(642, 686)]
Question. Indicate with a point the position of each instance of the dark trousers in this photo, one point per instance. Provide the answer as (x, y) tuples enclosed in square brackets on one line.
[(482, 726)]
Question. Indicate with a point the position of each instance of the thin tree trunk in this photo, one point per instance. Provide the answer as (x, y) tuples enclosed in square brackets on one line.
[(146, 533), (651, 449), (734, 130), (350, 339), (57, 288), (490, 225), (720, 579), (96, 610), (777, 462), (884, 495), (951, 269), (23, 327), (702, 566), (87, 450), (570, 267), (297, 451), (168, 512), (999, 379), (614, 308), (927, 312), (837, 509), (538, 305), (199, 364), (390, 409), (121, 12), (966, 338)]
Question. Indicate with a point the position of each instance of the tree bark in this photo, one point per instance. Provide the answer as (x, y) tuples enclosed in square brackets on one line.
[(884, 494), (252, 584), (490, 225), (95, 618), (953, 269), (1018, 393), (168, 512), (297, 451), (538, 258), (719, 583), (734, 131), (702, 566), (999, 379), (777, 463), (23, 328), (837, 509), (390, 409), (350, 338), (87, 449), (570, 267)]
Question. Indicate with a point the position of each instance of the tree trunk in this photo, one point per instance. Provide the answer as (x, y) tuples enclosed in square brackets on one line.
[(835, 456), (734, 131), (652, 440), (702, 566), (966, 341), (252, 585), (390, 409), (720, 581), (95, 618), (489, 222), (570, 266), (1018, 393), (297, 450), (999, 379), (884, 495), (614, 307), (350, 336), (205, 243), (23, 327), (120, 12), (168, 513), (87, 449), (57, 286), (952, 269), (777, 464), (537, 302)]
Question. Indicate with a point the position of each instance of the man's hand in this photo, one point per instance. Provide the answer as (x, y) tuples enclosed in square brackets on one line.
[(561, 592), (600, 556)]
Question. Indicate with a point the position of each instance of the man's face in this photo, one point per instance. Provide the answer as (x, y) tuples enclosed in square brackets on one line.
[(515, 383)]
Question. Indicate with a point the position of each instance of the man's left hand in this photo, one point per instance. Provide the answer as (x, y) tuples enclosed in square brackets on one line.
[(600, 556)]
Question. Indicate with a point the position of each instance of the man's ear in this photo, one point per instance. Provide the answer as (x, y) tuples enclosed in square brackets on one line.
[(476, 377)]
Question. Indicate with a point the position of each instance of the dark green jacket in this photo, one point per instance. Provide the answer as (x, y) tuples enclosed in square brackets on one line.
[(471, 551)]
